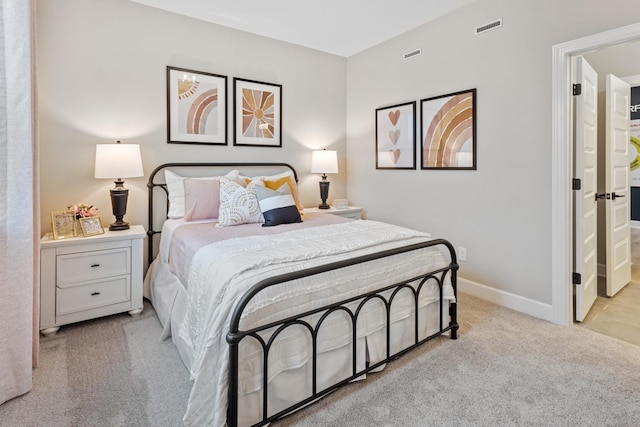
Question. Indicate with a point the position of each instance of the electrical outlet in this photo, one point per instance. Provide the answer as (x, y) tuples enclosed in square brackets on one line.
[(462, 253)]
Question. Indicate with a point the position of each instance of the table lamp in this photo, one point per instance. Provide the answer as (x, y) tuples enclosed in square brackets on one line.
[(324, 162), (118, 161)]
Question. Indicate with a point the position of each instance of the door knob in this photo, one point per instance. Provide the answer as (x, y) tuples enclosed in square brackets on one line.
[(601, 196), (615, 196)]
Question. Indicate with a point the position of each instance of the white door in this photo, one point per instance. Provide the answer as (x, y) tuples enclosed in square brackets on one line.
[(585, 218), (617, 184)]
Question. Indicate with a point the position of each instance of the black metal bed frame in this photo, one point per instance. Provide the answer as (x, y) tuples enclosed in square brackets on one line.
[(236, 335)]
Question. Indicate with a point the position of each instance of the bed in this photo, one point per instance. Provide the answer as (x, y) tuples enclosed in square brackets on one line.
[(269, 319)]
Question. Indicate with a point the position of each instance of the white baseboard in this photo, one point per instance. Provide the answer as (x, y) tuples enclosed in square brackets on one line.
[(506, 299)]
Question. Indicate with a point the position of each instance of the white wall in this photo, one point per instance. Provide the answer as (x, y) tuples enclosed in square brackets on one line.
[(101, 77), (502, 212)]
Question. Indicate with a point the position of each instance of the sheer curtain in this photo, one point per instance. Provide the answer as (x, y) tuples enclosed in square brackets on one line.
[(19, 217)]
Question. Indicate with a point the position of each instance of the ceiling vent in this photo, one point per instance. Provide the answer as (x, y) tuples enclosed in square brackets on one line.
[(413, 53), (490, 26)]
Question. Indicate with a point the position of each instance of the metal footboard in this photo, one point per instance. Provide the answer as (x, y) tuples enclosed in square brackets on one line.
[(235, 335)]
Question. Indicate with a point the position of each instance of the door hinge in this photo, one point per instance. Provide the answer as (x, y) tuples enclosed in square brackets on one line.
[(577, 279), (577, 89), (577, 184)]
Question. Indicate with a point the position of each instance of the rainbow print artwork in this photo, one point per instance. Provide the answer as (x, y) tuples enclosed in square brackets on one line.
[(449, 137), (258, 113), (196, 107), (197, 103)]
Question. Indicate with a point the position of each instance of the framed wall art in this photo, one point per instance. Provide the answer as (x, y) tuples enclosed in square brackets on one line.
[(396, 136), (448, 131), (196, 107), (63, 224), (91, 226), (257, 118)]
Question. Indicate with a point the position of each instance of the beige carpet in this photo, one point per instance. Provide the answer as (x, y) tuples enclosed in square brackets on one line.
[(505, 369)]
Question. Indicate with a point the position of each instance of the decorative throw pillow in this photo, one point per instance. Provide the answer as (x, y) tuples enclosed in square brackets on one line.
[(175, 189), (238, 205), (277, 206), (275, 181), (201, 199), (293, 188)]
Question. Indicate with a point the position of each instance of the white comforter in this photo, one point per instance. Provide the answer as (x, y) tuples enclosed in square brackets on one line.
[(222, 272)]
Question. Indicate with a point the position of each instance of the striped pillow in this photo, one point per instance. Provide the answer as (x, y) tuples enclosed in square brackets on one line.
[(277, 206)]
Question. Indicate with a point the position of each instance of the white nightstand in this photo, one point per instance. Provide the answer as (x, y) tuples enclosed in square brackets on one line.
[(354, 212), (86, 277)]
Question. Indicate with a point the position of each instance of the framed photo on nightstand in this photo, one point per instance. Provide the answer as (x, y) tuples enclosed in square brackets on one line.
[(91, 226), (63, 224)]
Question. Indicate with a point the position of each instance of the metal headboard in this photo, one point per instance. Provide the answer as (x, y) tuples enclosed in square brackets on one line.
[(152, 185)]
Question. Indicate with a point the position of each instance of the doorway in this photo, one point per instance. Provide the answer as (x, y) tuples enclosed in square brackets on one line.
[(617, 316), (562, 213)]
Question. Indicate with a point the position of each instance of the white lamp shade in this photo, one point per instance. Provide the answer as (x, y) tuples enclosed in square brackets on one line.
[(324, 161), (118, 161)]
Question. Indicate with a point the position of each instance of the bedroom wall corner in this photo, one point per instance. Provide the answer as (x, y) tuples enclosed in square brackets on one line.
[(501, 213)]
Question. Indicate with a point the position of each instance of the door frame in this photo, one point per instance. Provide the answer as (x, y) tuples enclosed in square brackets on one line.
[(562, 162)]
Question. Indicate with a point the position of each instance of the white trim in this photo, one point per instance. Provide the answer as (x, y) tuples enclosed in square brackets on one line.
[(506, 299), (561, 163)]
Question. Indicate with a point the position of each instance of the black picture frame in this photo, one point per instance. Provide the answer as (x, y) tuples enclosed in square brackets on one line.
[(448, 131), (257, 118), (196, 107), (396, 136)]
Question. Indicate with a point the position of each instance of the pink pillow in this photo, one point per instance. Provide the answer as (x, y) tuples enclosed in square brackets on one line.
[(201, 199)]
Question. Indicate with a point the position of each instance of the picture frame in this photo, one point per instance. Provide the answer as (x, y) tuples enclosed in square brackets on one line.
[(196, 107), (257, 118), (448, 131), (91, 226), (63, 224), (396, 136)]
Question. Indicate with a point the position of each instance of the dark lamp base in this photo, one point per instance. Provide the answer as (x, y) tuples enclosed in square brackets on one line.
[(117, 226), (119, 196), (324, 193)]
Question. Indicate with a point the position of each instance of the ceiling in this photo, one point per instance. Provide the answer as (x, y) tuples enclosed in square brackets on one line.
[(340, 27)]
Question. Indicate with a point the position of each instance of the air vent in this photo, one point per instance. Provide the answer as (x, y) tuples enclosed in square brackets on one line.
[(490, 26), (413, 53)]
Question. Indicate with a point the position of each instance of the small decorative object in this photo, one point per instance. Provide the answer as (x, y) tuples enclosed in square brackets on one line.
[(340, 203), (448, 129), (91, 226), (118, 161), (324, 162), (396, 136), (83, 210), (196, 107), (257, 118), (63, 224)]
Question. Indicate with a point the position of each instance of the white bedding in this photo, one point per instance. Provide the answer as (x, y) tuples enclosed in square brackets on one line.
[(221, 272)]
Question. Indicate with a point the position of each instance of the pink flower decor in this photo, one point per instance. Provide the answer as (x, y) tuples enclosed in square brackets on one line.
[(83, 210)]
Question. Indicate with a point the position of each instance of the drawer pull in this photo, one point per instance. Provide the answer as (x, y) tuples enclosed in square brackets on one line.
[(95, 265), (95, 293)]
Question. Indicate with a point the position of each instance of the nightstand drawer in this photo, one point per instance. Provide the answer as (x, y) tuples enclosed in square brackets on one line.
[(353, 215), (84, 266), (92, 295)]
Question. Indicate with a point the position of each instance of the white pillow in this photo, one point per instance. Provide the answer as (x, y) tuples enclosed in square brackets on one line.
[(175, 186), (238, 205)]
